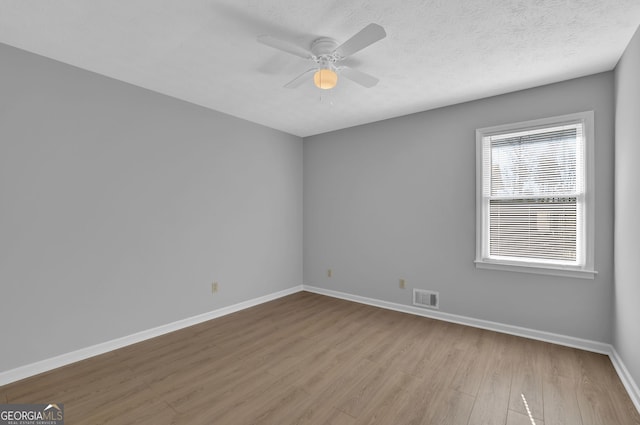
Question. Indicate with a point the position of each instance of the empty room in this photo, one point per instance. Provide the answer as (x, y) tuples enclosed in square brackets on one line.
[(296, 212)]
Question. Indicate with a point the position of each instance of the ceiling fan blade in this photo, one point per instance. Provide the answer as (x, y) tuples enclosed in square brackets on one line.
[(285, 46), (299, 79), (359, 77), (367, 36)]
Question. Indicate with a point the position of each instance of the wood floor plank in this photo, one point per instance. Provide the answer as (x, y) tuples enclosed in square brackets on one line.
[(385, 406), (142, 408), (417, 360), (106, 402), (595, 405), (407, 353), (226, 391), (308, 359), (442, 359), (492, 400), (517, 418), (300, 356), (560, 401), (562, 361), (275, 408), (598, 404), (357, 334), (527, 380), (226, 401), (200, 386), (470, 369), (450, 407), (412, 402), (332, 373), (358, 396), (320, 414)]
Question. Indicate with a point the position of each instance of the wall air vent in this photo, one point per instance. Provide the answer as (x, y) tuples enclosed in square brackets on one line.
[(424, 298)]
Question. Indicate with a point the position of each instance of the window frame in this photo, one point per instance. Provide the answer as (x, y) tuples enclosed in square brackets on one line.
[(585, 269)]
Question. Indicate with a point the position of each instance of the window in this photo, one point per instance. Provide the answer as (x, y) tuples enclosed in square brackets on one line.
[(534, 203)]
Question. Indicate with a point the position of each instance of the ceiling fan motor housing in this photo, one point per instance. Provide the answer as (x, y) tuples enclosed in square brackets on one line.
[(323, 46), (324, 54)]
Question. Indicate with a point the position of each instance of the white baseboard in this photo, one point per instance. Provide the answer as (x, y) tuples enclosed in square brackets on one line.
[(583, 344), (569, 341), (626, 378), (32, 369)]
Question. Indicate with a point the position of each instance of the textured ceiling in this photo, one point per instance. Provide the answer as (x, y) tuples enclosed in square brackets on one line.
[(436, 53)]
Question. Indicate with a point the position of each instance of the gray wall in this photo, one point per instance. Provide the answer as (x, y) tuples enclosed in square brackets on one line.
[(120, 206), (627, 208), (396, 199)]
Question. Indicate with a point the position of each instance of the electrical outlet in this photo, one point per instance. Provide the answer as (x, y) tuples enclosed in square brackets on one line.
[(401, 283), (214, 287), (329, 272)]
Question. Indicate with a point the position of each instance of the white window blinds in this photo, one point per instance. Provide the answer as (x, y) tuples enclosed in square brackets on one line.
[(533, 189)]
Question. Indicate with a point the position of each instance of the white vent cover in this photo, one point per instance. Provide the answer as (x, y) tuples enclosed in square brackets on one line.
[(424, 298)]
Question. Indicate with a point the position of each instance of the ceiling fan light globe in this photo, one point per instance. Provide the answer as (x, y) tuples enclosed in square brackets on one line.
[(325, 79)]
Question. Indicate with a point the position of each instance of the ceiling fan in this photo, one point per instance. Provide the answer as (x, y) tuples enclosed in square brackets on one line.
[(327, 55)]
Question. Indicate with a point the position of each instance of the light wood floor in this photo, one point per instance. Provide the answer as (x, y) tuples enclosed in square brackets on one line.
[(309, 359)]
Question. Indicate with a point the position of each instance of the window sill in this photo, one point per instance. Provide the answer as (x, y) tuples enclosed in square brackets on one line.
[(537, 269)]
